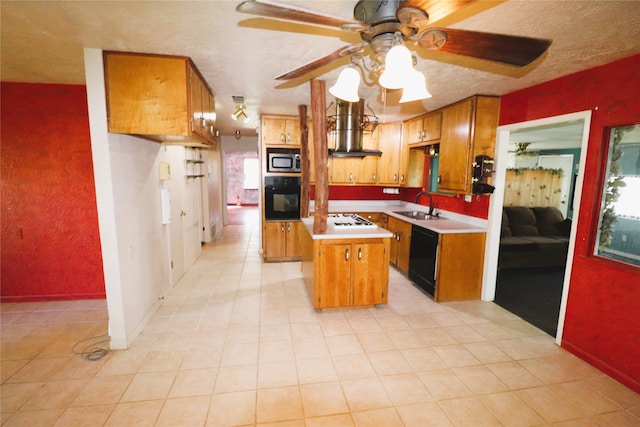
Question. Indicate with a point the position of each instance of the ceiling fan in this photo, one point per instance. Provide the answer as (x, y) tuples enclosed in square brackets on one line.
[(385, 23)]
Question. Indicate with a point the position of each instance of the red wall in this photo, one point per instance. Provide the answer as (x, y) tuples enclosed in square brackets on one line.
[(602, 322), (50, 241)]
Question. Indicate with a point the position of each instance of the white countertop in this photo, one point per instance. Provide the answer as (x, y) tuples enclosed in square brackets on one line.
[(448, 223), (346, 233)]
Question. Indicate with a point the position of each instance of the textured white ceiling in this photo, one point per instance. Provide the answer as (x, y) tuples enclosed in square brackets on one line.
[(239, 54)]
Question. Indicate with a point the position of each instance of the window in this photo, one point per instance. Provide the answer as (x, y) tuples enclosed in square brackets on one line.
[(251, 174), (619, 226)]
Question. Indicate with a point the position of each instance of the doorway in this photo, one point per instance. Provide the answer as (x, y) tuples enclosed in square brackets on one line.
[(504, 141)]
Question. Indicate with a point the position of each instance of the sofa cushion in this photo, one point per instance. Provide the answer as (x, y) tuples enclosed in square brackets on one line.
[(544, 243), (551, 222), (522, 221), (505, 231), (516, 244)]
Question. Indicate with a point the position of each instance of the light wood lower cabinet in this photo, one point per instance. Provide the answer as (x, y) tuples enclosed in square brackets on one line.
[(346, 272), (400, 243), (459, 267), (281, 240)]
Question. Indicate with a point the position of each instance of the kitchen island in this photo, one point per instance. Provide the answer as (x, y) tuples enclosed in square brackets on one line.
[(348, 266), (442, 255)]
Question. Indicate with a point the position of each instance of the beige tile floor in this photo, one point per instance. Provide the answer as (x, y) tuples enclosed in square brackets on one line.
[(236, 342)]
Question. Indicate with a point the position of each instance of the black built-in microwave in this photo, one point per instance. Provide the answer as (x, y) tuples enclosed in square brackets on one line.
[(283, 160)]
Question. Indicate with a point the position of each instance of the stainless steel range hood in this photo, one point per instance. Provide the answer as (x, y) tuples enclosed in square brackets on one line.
[(348, 127)]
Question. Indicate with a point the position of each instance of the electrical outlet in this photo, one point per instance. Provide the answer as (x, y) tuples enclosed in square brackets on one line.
[(467, 198)]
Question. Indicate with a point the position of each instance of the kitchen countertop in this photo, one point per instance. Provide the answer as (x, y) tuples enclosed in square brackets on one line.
[(346, 233), (448, 223)]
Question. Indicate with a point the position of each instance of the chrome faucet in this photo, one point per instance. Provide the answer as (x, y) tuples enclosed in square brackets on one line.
[(425, 193)]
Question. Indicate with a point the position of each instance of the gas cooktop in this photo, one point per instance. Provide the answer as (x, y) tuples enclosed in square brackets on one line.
[(342, 221)]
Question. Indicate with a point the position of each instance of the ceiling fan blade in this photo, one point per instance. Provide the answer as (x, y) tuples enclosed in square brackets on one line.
[(317, 63), (291, 13), (511, 50), (435, 10)]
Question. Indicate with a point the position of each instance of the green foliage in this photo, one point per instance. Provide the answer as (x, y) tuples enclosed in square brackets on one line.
[(518, 171), (612, 191)]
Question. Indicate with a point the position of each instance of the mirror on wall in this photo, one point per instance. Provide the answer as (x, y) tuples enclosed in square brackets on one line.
[(618, 235)]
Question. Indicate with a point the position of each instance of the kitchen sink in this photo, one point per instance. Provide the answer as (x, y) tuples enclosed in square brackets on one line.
[(417, 215)]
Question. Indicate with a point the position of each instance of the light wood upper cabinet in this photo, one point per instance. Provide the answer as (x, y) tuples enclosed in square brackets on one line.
[(280, 130), (468, 130), (356, 170), (423, 129), (390, 143), (158, 97)]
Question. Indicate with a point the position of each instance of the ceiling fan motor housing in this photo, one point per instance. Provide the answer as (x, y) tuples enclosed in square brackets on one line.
[(381, 16)]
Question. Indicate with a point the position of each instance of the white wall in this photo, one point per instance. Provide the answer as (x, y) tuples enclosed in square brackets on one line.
[(215, 188), (133, 240)]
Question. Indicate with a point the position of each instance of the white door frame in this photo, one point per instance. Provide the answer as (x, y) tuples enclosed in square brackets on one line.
[(497, 201)]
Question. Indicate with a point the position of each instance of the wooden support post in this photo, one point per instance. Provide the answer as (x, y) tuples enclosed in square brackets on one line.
[(306, 162), (319, 116)]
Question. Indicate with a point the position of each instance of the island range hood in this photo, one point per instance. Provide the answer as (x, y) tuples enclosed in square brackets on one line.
[(348, 127)]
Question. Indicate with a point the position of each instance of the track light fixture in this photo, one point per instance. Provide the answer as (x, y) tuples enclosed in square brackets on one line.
[(240, 114)]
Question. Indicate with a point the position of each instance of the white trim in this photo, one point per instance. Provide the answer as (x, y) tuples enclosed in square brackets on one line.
[(497, 200)]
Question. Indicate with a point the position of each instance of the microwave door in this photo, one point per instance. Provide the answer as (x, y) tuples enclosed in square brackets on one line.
[(282, 163)]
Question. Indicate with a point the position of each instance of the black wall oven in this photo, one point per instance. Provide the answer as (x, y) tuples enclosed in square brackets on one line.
[(281, 197)]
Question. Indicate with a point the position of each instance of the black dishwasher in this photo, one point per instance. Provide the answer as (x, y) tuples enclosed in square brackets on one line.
[(422, 258)]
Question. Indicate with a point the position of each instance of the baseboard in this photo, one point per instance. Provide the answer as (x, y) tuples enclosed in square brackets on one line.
[(56, 297), (632, 383)]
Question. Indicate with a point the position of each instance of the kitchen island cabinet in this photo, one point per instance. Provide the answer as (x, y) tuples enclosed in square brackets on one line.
[(158, 97), (346, 271)]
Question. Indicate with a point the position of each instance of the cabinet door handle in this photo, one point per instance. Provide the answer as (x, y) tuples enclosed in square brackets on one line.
[(423, 134), (202, 122), (346, 254), (289, 228), (395, 177), (401, 178), (359, 253), (282, 228), (350, 176), (282, 137), (374, 177), (288, 137)]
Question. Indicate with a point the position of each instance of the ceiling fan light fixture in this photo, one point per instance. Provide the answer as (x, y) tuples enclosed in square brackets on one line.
[(398, 64), (415, 88), (346, 87)]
